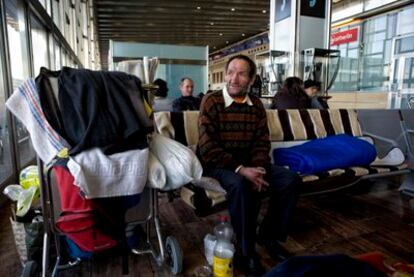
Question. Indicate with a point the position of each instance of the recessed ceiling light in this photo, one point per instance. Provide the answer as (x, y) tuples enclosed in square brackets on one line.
[(243, 34), (263, 11), (232, 9), (198, 8), (227, 42), (211, 23), (220, 34)]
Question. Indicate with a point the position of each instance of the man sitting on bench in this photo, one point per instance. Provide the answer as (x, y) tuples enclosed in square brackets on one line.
[(234, 148)]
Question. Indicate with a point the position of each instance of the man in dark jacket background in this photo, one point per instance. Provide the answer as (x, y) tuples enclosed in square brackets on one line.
[(187, 102)]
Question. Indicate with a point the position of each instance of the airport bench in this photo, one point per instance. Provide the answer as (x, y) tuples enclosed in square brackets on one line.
[(287, 128)]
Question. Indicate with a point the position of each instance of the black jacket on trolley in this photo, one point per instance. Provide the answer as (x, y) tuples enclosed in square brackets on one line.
[(96, 109)]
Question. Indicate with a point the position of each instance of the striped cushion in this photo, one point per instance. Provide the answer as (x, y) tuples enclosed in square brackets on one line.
[(288, 125), (181, 126), (284, 125)]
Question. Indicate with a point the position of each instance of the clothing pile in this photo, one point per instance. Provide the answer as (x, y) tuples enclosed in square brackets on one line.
[(99, 119)]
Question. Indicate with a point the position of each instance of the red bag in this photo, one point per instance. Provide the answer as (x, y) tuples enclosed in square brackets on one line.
[(77, 220)]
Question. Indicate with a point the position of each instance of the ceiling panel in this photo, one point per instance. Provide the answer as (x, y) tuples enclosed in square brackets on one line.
[(215, 23)]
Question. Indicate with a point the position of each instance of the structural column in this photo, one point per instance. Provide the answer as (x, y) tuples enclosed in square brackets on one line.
[(296, 25)]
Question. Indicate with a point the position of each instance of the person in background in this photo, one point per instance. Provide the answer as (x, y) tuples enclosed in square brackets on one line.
[(311, 89), (291, 95), (234, 148), (161, 102), (256, 87), (187, 102), (201, 95)]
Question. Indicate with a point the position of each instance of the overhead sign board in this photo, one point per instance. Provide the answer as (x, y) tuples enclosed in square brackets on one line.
[(342, 37)]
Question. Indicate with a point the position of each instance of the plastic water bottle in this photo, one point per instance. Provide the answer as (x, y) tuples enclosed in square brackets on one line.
[(224, 228), (224, 249)]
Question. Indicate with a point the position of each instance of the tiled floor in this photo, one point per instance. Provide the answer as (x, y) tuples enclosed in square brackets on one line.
[(365, 219)]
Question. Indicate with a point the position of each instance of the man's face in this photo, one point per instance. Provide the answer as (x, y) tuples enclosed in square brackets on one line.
[(237, 78), (186, 88), (311, 91)]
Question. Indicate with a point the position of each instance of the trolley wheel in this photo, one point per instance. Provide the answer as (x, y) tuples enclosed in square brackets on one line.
[(174, 255), (30, 269)]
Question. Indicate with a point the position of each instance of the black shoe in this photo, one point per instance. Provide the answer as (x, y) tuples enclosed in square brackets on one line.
[(252, 266), (275, 250)]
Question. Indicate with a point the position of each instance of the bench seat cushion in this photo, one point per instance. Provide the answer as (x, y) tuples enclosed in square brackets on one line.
[(204, 200)]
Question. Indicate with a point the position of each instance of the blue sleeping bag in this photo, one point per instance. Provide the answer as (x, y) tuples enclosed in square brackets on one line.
[(339, 151)]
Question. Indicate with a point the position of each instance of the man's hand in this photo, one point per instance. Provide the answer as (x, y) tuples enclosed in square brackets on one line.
[(255, 175)]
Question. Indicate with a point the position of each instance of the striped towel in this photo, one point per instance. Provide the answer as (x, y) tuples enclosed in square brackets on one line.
[(24, 103)]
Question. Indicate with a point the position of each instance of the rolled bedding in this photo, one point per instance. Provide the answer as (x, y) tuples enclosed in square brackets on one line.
[(318, 155), (157, 177)]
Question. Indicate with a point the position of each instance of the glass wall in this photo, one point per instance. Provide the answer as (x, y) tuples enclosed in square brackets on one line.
[(18, 48), (5, 149), (347, 9), (39, 42), (405, 23), (366, 62), (348, 75), (57, 13), (50, 46), (58, 62), (377, 35)]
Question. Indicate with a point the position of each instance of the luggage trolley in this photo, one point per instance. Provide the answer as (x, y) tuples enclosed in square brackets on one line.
[(145, 213), (166, 251)]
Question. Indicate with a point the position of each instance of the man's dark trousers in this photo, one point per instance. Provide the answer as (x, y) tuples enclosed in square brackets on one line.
[(244, 204)]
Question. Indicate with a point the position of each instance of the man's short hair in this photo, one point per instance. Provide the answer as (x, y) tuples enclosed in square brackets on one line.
[(252, 65), (311, 83), (185, 78), (162, 88)]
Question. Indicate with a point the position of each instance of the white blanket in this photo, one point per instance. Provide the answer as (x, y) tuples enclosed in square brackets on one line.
[(157, 177), (120, 174)]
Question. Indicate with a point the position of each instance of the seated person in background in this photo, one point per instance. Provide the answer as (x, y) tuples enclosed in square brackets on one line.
[(187, 102), (234, 148), (291, 95), (201, 95), (311, 89), (161, 102), (256, 87)]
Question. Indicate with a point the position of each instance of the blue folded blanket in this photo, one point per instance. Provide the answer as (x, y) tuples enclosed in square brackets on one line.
[(339, 151)]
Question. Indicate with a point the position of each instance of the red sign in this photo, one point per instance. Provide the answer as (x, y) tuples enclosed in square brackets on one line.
[(347, 36)]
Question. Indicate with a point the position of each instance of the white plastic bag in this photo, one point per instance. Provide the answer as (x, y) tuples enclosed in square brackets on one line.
[(156, 173), (13, 191), (24, 197), (25, 201), (209, 244), (180, 163)]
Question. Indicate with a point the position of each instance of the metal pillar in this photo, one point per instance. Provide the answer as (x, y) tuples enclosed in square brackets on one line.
[(296, 25)]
